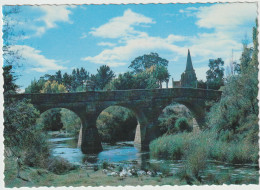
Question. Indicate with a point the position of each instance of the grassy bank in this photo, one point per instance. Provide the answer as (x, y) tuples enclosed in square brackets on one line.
[(197, 148), (204, 145), (79, 177)]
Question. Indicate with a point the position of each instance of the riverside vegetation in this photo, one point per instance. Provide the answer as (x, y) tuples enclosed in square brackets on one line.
[(230, 134)]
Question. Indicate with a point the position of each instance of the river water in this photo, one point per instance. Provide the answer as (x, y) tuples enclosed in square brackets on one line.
[(126, 153)]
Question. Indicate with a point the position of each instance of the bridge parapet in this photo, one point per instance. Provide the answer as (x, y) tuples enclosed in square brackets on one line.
[(120, 95)]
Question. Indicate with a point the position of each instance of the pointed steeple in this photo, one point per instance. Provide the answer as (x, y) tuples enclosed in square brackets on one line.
[(189, 66)]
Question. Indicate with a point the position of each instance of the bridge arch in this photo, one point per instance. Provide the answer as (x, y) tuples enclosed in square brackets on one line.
[(116, 123), (62, 114)]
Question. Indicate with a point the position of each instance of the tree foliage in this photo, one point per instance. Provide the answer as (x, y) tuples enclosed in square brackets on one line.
[(116, 124), (103, 77), (9, 80), (235, 116), (215, 74), (145, 61), (53, 87)]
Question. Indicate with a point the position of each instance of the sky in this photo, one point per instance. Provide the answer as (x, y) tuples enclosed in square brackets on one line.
[(67, 37)]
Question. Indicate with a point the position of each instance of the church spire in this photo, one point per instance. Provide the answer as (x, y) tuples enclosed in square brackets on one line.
[(189, 66)]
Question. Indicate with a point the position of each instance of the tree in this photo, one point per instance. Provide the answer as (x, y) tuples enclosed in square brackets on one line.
[(103, 77), (58, 77), (236, 114), (53, 87), (35, 86), (67, 81), (144, 62), (9, 80), (201, 84), (128, 80), (215, 74), (10, 35), (84, 75), (161, 74)]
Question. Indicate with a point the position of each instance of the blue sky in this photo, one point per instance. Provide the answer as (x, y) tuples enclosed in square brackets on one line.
[(66, 37)]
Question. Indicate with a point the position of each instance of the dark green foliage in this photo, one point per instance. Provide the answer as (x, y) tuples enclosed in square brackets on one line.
[(182, 125), (149, 71), (9, 80), (103, 77), (71, 122), (23, 136), (172, 113), (144, 62), (51, 120), (201, 84), (35, 86), (58, 77), (95, 167), (215, 74), (59, 165), (105, 165), (116, 124), (38, 152), (19, 121), (128, 80), (235, 116)]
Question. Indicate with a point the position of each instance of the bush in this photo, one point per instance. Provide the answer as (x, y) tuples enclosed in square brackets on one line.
[(38, 153), (105, 165), (182, 125), (59, 165)]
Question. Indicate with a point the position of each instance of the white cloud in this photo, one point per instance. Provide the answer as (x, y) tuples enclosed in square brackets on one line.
[(34, 60), (121, 55), (204, 46), (226, 16), (83, 35), (229, 23), (122, 26), (106, 44), (131, 42), (52, 15)]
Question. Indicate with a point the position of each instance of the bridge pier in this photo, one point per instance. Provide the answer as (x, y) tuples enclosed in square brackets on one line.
[(91, 142)]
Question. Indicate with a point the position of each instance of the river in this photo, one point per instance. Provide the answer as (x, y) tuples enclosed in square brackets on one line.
[(126, 153)]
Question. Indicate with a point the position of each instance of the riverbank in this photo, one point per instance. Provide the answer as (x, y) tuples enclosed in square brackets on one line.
[(79, 177)]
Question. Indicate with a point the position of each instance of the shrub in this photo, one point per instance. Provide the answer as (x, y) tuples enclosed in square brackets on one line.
[(95, 167), (59, 165), (105, 165), (182, 125)]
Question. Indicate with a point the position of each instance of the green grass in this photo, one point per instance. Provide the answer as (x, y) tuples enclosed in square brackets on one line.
[(197, 148), (78, 177), (183, 145)]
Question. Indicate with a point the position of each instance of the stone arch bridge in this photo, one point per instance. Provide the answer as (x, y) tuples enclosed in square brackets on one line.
[(147, 104)]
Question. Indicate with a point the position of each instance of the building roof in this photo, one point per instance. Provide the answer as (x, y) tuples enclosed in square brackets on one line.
[(189, 66)]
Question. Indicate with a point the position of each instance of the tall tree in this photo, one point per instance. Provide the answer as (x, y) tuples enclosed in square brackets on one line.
[(67, 80), (215, 74), (145, 61), (9, 80), (35, 86), (103, 77), (58, 77), (84, 75), (161, 74)]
